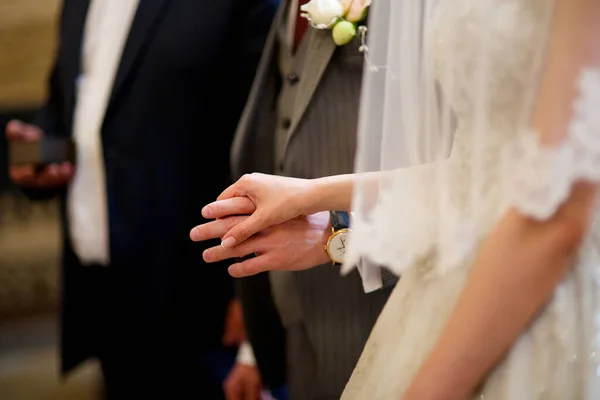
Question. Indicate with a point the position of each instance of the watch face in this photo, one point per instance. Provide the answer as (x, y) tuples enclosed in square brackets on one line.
[(336, 246)]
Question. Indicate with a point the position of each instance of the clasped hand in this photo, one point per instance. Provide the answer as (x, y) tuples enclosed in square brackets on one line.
[(265, 216)]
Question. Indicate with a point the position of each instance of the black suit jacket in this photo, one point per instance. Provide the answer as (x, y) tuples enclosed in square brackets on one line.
[(183, 78), (264, 328)]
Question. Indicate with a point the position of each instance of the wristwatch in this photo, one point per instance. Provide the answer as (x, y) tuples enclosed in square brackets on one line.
[(340, 230)]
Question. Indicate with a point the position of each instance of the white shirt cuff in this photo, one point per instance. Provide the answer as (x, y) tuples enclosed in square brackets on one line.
[(245, 355), (370, 276)]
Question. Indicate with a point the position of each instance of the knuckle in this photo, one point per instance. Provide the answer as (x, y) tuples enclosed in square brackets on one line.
[(241, 231), (254, 177), (245, 178)]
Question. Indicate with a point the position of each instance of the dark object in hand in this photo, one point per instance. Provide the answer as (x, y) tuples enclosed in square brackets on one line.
[(47, 150)]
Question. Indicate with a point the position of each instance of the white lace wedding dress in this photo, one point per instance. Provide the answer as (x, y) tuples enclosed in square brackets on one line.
[(558, 357)]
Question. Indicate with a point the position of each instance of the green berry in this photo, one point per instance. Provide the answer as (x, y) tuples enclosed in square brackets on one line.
[(343, 32)]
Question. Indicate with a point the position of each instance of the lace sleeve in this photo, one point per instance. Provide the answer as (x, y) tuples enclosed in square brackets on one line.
[(545, 174)]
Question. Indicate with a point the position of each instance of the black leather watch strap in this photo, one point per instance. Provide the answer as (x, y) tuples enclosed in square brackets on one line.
[(339, 220)]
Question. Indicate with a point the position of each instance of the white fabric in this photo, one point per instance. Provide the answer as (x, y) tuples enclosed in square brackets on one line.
[(446, 109), (106, 31), (371, 277), (245, 354)]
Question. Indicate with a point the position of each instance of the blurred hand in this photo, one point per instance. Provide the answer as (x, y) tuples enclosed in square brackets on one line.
[(243, 383), (297, 244), (50, 177), (277, 199), (234, 333)]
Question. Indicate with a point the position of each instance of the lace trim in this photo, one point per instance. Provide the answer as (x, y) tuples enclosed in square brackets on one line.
[(402, 230), (413, 223), (545, 175), (397, 230)]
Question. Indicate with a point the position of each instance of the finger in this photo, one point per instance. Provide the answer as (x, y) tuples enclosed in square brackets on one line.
[(18, 130), (52, 182), (14, 130), (232, 190), (67, 169), (22, 174), (219, 253), (245, 229), (52, 176), (251, 266), (227, 207), (214, 229)]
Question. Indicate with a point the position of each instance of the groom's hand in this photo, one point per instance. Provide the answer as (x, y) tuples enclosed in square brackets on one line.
[(296, 245)]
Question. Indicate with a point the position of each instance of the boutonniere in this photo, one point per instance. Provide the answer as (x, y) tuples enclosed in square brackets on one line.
[(341, 16)]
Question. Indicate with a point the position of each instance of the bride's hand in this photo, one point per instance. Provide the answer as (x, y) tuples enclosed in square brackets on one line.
[(295, 245), (277, 200)]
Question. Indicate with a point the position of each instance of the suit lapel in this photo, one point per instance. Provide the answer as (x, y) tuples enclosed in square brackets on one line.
[(146, 18), (73, 40), (318, 54), (264, 67), (290, 24)]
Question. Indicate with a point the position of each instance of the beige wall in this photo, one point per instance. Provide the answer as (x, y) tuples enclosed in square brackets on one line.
[(29, 257), (29, 232), (27, 40)]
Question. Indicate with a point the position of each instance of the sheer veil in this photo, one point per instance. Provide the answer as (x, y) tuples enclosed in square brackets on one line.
[(445, 112)]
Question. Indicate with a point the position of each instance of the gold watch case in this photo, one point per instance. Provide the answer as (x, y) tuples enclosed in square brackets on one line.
[(334, 235)]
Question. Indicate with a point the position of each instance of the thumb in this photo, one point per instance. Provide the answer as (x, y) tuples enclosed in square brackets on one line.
[(18, 130), (242, 231)]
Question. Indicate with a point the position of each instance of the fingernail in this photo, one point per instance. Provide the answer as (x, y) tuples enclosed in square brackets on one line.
[(207, 212), (233, 270), (228, 243), (193, 234), (206, 255)]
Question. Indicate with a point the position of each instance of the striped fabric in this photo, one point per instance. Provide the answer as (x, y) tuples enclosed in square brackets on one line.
[(336, 313), (309, 102)]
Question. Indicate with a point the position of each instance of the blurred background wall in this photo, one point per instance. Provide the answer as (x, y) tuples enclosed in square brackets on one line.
[(29, 232)]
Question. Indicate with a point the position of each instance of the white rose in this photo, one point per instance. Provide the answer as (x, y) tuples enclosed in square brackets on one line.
[(323, 14)]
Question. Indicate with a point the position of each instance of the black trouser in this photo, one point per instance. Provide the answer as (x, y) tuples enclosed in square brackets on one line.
[(143, 355), (132, 375)]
